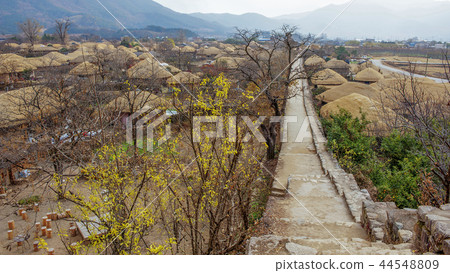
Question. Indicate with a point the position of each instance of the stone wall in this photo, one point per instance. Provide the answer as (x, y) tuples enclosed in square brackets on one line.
[(383, 221), (432, 231)]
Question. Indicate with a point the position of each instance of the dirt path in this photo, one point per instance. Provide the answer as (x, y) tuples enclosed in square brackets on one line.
[(306, 215)]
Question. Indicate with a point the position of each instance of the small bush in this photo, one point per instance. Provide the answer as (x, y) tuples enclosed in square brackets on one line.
[(29, 200), (394, 166), (348, 141)]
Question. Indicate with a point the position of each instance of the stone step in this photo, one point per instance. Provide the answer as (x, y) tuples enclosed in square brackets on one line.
[(280, 245), (309, 226)]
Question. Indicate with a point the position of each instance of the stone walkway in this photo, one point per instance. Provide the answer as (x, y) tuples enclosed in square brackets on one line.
[(305, 214)]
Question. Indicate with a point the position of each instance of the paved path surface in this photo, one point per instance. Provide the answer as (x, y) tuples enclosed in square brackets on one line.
[(380, 64), (311, 218)]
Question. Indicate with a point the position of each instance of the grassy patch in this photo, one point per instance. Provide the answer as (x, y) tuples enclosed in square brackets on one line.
[(29, 200)]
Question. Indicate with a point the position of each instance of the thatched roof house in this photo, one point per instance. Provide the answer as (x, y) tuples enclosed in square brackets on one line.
[(61, 58), (208, 51), (229, 49), (339, 66), (85, 69), (19, 106), (136, 100), (172, 69), (146, 55), (84, 58), (327, 77), (346, 89), (315, 60), (188, 49), (229, 62), (121, 55), (148, 68), (356, 104), (12, 63), (43, 48), (40, 62), (184, 78), (360, 67), (335, 63), (368, 75), (13, 45)]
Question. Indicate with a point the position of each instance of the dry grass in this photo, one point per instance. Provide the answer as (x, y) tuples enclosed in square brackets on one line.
[(408, 59), (433, 70)]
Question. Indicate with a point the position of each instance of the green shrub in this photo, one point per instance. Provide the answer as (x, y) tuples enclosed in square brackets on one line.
[(397, 147), (348, 141), (394, 166), (29, 200)]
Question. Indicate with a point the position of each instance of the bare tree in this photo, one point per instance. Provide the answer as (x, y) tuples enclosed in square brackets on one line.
[(31, 29), (62, 29), (270, 68)]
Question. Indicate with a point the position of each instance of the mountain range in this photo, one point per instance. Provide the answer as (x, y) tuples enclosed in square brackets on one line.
[(381, 19)]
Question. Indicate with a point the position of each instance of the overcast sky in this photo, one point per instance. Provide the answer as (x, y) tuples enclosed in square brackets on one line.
[(266, 7)]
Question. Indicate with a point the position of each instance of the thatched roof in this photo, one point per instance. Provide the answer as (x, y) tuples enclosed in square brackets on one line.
[(194, 45), (121, 54), (95, 46), (229, 49), (368, 75), (13, 45), (43, 62), (12, 63), (58, 46), (148, 68), (132, 50), (18, 106), (136, 100), (61, 58), (337, 64), (327, 77), (184, 78), (172, 69), (84, 58), (25, 45), (367, 64), (85, 69), (355, 68), (229, 62), (43, 48), (346, 89), (315, 60), (188, 49), (356, 104), (209, 51), (146, 56)]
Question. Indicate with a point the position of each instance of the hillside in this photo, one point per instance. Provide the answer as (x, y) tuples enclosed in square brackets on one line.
[(90, 14)]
